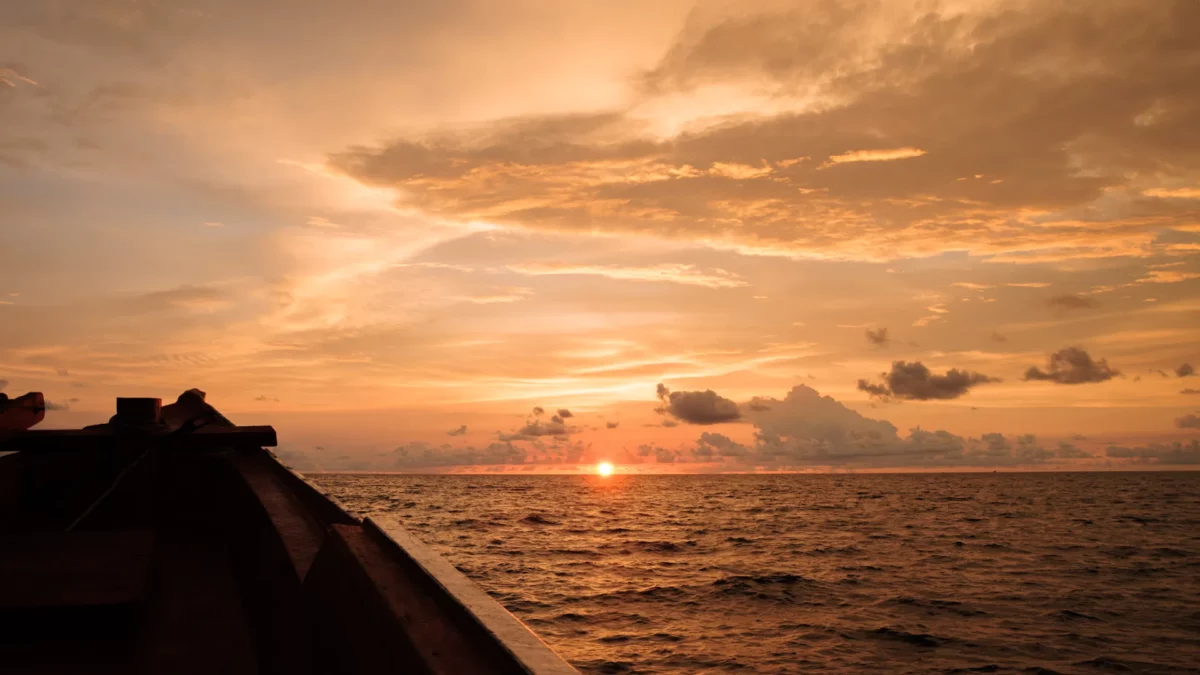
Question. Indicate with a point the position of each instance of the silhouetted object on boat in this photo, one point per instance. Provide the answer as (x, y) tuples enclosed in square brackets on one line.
[(169, 541)]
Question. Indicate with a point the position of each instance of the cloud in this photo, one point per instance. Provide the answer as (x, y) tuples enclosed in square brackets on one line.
[(419, 455), (1190, 391), (914, 382), (1176, 193), (1051, 166), (187, 297), (57, 407), (879, 338), (612, 425), (1166, 277), (3, 384), (1185, 370), (721, 445), (264, 397), (564, 413), (738, 171), (502, 296), (666, 272), (997, 337), (535, 428), (697, 407), (1175, 453), (1068, 302), (1188, 422), (887, 155), (1072, 365), (805, 429), (876, 390), (62, 372), (457, 432)]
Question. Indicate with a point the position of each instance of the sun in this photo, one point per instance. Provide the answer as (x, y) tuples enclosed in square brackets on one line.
[(604, 468)]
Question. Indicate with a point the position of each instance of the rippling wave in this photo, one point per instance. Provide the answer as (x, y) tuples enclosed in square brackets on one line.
[(939, 573)]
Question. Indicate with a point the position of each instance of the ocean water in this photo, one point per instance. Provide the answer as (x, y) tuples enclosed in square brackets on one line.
[(936, 573)]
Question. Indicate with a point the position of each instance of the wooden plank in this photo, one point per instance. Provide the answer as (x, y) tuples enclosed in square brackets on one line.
[(107, 438), (196, 624), (478, 616), (73, 569), (368, 594)]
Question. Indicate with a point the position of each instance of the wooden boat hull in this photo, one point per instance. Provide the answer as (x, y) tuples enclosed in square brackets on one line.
[(151, 552)]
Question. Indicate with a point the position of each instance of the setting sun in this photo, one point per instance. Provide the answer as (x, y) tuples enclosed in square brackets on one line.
[(604, 468)]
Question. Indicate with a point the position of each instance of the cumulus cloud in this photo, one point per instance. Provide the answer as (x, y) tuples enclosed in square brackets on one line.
[(1185, 370), (536, 428), (806, 429), (875, 390), (1188, 422), (915, 382), (1072, 365), (564, 413), (457, 432), (879, 337), (612, 425), (1068, 302), (697, 407), (721, 445)]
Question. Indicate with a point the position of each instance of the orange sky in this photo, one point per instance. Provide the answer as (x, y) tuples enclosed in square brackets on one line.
[(374, 223)]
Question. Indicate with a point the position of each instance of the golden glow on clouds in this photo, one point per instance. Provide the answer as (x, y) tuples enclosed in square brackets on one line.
[(1174, 193), (887, 155), (671, 273)]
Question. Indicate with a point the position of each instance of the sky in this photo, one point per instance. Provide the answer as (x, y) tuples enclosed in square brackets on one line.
[(678, 236)]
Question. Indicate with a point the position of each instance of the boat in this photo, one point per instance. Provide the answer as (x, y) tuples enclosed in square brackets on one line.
[(170, 540)]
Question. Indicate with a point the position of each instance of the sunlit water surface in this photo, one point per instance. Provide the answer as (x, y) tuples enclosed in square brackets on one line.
[(997, 573)]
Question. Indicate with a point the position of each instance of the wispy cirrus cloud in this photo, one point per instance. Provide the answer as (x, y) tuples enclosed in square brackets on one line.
[(1173, 193), (885, 155), (666, 273)]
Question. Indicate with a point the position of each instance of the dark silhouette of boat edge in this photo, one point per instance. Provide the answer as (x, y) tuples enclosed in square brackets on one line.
[(170, 541)]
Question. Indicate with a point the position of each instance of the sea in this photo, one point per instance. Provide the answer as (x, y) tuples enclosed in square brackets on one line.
[(835, 573)]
